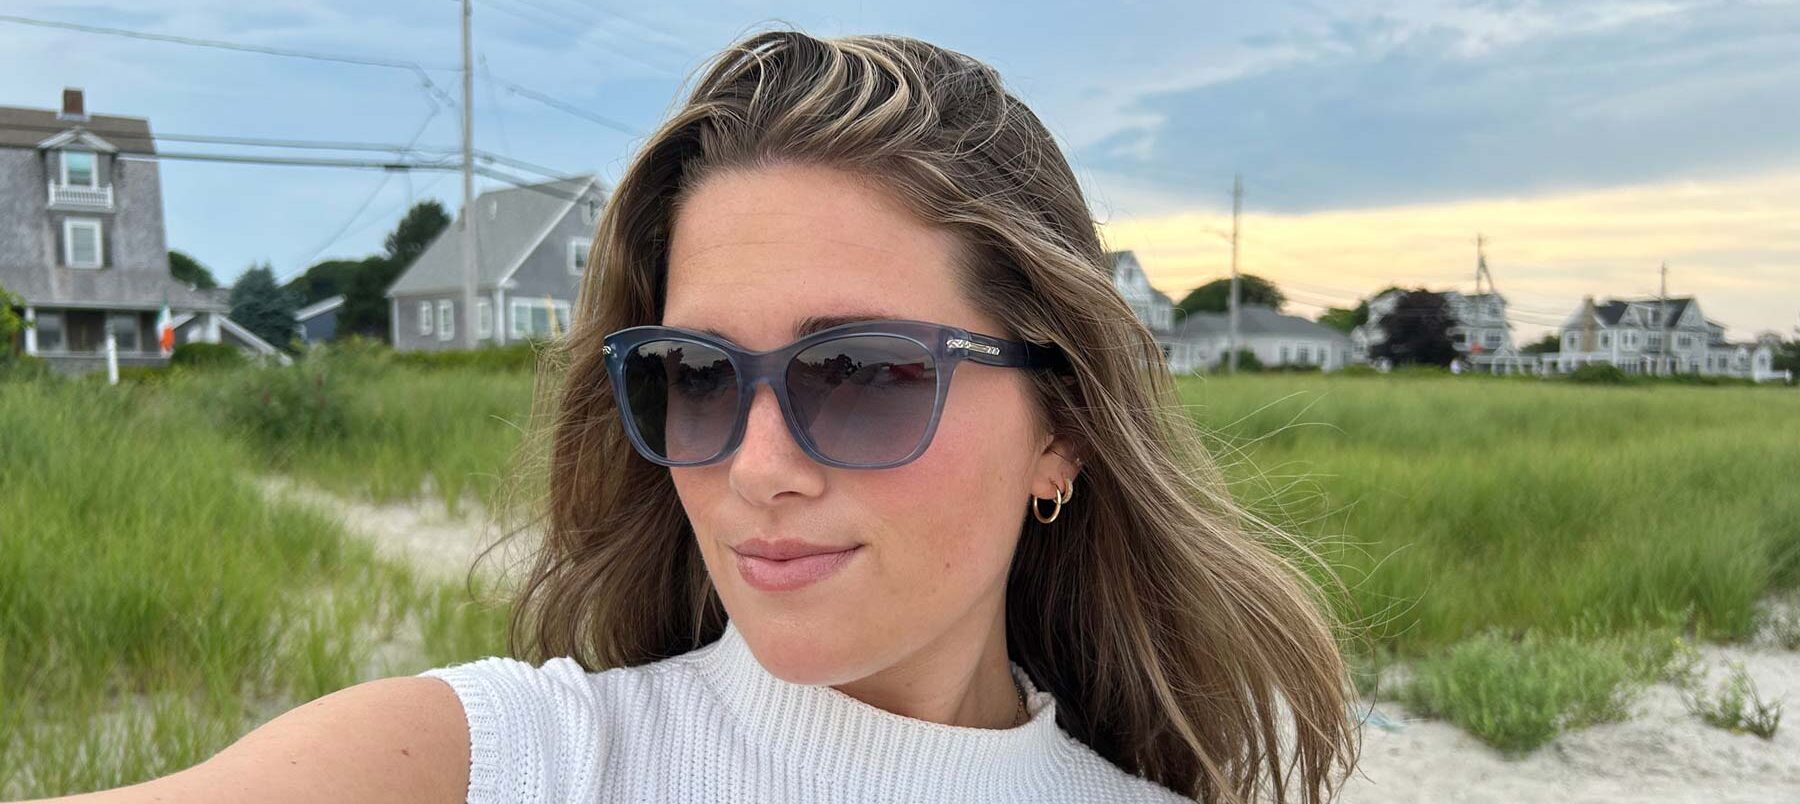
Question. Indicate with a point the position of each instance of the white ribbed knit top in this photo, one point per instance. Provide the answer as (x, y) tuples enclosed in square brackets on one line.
[(712, 725)]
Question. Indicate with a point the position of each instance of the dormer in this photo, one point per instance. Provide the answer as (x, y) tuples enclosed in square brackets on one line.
[(78, 162)]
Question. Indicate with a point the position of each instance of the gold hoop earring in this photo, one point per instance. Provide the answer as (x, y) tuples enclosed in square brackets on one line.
[(1060, 499)]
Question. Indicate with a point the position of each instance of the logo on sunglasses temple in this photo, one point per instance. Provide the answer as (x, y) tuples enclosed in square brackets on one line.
[(955, 343)]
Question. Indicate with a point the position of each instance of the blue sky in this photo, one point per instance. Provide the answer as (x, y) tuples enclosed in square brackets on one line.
[(1328, 109)]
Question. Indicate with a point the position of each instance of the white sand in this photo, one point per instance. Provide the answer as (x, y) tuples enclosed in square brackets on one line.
[(1661, 754), (419, 532)]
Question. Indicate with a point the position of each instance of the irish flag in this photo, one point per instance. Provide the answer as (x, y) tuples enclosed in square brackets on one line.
[(165, 328)]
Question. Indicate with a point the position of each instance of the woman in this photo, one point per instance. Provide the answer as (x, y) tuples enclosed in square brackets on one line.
[(787, 558)]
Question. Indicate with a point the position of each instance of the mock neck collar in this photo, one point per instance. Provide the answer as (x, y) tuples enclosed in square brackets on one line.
[(833, 734)]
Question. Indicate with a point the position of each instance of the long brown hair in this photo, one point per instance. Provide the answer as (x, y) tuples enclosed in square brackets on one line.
[(1173, 627)]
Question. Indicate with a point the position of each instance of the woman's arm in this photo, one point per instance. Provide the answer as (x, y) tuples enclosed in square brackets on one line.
[(393, 739)]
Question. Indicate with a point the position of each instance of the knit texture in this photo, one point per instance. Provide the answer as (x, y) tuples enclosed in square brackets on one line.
[(712, 725)]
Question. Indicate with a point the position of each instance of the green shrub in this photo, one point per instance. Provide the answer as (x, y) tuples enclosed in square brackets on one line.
[(1735, 706), (1358, 370), (286, 406), (1517, 693), (1599, 374), (199, 354), (521, 356)]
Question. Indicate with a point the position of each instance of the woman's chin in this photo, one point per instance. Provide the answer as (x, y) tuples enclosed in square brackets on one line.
[(804, 655)]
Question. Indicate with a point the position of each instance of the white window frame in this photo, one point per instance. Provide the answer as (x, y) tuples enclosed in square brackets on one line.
[(520, 310), (590, 209), (69, 227), (446, 319), (579, 247), (425, 318), (93, 168), (484, 318)]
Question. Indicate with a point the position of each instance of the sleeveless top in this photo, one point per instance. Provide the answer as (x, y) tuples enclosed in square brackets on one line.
[(712, 725)]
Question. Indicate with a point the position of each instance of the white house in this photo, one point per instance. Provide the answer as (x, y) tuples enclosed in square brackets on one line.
[(1201, 341), (1478, 330), (1660, 337)]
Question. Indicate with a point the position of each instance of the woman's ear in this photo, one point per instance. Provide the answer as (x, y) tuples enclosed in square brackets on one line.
[(1055, 468)]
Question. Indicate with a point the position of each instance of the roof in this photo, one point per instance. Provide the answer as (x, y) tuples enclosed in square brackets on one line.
[(319, 308), (1254, 319), (25, 128), (1614, 309), (509, 224), (47, 286)]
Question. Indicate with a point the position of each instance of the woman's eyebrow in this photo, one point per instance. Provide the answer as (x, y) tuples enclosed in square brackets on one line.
[(815, 323)]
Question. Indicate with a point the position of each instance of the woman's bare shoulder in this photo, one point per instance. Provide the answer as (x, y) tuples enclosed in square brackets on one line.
[(392, 739)]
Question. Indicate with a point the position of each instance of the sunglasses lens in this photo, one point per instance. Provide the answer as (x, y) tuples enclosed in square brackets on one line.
[(864, 399), (683, 398)]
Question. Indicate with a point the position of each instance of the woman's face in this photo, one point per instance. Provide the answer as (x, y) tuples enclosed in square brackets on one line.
[(929, 542)]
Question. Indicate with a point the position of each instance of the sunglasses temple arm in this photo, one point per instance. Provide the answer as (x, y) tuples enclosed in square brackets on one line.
[(1016, 354)]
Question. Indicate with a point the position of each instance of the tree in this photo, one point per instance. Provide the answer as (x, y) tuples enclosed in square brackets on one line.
[(1345, 319), (422, 224), (1787, 356), (1215, 296), (262, 307), (1551, 343), (365, 310), (324, 280), (189, 270), (10, 322), (1417, 331), (1341, 319)]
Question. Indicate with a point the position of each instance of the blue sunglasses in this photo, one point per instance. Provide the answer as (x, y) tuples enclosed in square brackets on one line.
[(863, 395)]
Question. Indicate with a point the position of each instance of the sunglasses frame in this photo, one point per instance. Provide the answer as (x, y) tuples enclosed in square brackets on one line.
[(946, 344)]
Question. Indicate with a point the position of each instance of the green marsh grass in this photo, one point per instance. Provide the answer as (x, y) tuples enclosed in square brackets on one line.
[(154, 606)]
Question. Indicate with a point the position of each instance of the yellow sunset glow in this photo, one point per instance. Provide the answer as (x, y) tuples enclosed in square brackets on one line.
[(1735, 245)]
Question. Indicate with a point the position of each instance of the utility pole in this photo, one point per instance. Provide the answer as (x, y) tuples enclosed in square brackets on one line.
[(1662, 321), (468, 177), (1237, 210)]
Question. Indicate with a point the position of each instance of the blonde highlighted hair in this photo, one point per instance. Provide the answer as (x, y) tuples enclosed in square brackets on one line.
[(1179, 642)]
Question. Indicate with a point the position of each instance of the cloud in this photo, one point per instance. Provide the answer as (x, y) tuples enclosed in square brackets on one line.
[(1457, 102)]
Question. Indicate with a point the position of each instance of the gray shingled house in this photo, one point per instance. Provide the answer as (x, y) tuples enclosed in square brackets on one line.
[(82, 242), (531, 246)]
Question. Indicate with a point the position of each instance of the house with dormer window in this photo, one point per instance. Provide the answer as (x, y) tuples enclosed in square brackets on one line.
[(82, 243), (1658, 337), (531, 255)]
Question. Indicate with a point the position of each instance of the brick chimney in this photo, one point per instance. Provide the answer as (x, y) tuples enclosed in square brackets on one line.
[(73, 107)]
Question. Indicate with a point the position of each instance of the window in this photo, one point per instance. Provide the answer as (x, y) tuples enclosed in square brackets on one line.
[(531, 319), (1655, 340), (81, 243), (78, 169), (1684, 341), (1605, 339), (124, 329), (446, 327), (1491, 340), (578, 254), (50, 332), (424, 318), (1284, 353), (1303, 354), (484, 318), (1569, 341), (591, 208)]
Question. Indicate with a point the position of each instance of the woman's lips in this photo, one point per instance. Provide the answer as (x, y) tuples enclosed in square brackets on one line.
[(772, 575)]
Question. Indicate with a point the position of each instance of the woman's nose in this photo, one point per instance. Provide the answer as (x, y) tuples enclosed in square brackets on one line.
[(769, 462)]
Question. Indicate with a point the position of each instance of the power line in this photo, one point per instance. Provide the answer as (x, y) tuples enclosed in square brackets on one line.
[(416, 68), (386, 176), (561, 27), (574, 110)]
